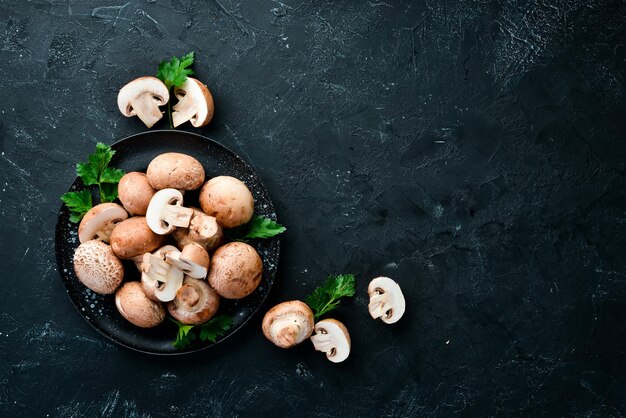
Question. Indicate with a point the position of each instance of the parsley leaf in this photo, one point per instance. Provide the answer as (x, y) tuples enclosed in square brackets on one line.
[(326, 297), (209, 331), (258, 227), (78, 203), (216, 327), (174, 72), (95, 172)]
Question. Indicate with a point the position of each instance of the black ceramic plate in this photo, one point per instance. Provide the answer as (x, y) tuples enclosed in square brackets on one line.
[(134, 154)]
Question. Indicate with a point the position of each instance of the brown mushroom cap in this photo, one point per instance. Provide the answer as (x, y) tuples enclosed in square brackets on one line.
[(236, 270), (133, 304), (100, 221), (228, 199), (288, 323), (133, 237), (135, 192), (195, 303), (97, 267), (173, 170), (195, 104), (203, 229)]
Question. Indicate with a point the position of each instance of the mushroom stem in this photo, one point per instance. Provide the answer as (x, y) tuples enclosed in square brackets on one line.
[(183, 111), (177, 215), (376, 306), (322, 342), (147, 109)]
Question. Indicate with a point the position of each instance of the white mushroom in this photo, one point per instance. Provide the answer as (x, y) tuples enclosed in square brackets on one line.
[(386, 300), (332, 338), (99, 222), (193, 260), (160, 280), (195, 104), (142, 97), (166, 212)]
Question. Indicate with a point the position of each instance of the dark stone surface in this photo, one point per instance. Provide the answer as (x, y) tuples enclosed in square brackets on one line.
[(473, 151)]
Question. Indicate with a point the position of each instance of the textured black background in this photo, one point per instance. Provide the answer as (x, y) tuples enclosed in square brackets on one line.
[(472, 150)]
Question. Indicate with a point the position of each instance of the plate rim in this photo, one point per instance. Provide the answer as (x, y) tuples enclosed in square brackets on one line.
[(111, 338)]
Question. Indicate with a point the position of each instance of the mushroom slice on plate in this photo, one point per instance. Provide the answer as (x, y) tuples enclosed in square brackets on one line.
[(386, 300), (193, 260), (196, 302), (203, 229), (99, 222), (195, 104), (288, 323), (166, 212), (332, 338), (133, 304), (142, 97), (160, 280), (97, 267)]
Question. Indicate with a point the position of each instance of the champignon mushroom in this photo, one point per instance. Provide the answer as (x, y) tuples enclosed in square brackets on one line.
[(203, 229), (236, 270), (97, 267), (228, 199), (193, 260), (332, 338), (195, 303), (195, 104), (288, 323), (386, 300), (99, 222), (133, 237), (135, 192), (166, 212), (160, 280), (133, 304), (142, 97), (173, 170)]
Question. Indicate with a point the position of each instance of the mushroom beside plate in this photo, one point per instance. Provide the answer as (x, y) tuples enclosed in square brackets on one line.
[(134, 154)]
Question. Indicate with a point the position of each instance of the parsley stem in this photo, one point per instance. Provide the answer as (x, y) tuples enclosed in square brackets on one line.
[(169, 111)]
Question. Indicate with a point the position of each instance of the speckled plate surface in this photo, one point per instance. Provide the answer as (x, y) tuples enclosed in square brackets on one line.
[(134, 154)]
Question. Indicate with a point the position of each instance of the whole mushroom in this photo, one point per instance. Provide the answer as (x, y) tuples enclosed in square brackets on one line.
[(135, 192), (174, 170), (132, 238), (227, 199), (142, 97), (386, 300), (97, 267), (133, 304), (195, 104), (99, 222), (195, 303), (236, 270), (203, 229), (288, 323), (332, 338)]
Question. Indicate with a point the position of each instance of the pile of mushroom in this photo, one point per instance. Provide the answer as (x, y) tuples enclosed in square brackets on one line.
[(179, 250), (143, 97)]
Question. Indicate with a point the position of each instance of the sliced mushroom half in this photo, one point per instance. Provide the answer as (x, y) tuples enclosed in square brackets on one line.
[(386, 300), (160, 280), (195, 104), (99, 222), (142, 97), (203, 229), (332, 338), (193, 260), (166, 212)]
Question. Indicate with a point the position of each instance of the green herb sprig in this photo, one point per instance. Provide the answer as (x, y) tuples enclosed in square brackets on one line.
[(95, 171), (209, 331), (327, 296), (258, 227), (174, 74)]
